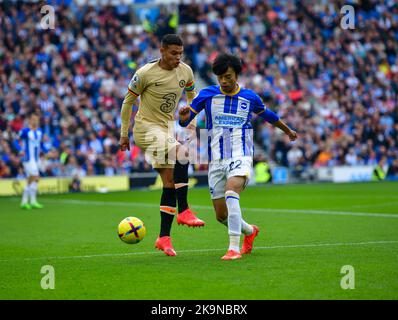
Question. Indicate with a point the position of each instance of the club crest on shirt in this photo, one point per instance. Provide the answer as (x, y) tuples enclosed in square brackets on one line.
[(243, 105), (182, 83)]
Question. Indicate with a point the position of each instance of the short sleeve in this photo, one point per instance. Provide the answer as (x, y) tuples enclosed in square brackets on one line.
[(24, 133), (137, 83), (258, 105), (199, 102)]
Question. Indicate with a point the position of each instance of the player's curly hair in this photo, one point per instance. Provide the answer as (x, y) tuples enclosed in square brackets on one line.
[(225, 60)]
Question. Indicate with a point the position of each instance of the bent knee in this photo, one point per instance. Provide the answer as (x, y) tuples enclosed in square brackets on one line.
[(167, 177), (168, 183)]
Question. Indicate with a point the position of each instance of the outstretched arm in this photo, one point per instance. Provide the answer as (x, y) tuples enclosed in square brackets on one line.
[(272, 118), (286, 129)]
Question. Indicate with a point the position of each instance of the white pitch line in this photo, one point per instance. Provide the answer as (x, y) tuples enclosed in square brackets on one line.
[(270, 210), (326, 212), (386, 204), (294, 246)]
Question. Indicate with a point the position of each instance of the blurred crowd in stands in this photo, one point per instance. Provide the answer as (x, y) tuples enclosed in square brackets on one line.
[(337, 87)]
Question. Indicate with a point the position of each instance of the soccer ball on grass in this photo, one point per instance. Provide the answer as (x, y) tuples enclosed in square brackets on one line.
[(131, 230)]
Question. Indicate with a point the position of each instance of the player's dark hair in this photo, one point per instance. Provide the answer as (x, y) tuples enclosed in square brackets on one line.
[(170, 39), (224, 61)]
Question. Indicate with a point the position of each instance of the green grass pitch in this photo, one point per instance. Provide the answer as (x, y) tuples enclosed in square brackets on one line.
[(307, 234)]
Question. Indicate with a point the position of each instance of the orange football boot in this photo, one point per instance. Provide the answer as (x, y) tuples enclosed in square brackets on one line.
[(188, 217), (248, 241), (231, 255), (164, 243)]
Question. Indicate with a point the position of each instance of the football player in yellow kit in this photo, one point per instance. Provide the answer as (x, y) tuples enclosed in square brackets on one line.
[(160, 84)]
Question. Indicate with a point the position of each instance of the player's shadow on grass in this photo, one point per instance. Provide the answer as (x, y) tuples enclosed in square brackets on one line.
[(186, 259)]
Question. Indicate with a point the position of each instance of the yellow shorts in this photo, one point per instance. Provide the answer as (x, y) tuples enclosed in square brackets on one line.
[(157, 143)]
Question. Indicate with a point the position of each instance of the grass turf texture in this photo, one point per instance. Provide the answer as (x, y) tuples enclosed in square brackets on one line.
[(308, 232)]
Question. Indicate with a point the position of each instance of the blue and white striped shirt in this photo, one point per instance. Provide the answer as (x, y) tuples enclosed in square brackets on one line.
[(31, 144), (230, 132)]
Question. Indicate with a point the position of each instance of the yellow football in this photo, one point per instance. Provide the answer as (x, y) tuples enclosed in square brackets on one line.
[(131, 230)]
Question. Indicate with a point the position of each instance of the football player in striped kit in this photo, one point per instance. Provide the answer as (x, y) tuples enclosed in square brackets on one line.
[(229, 109), (31, 138)]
